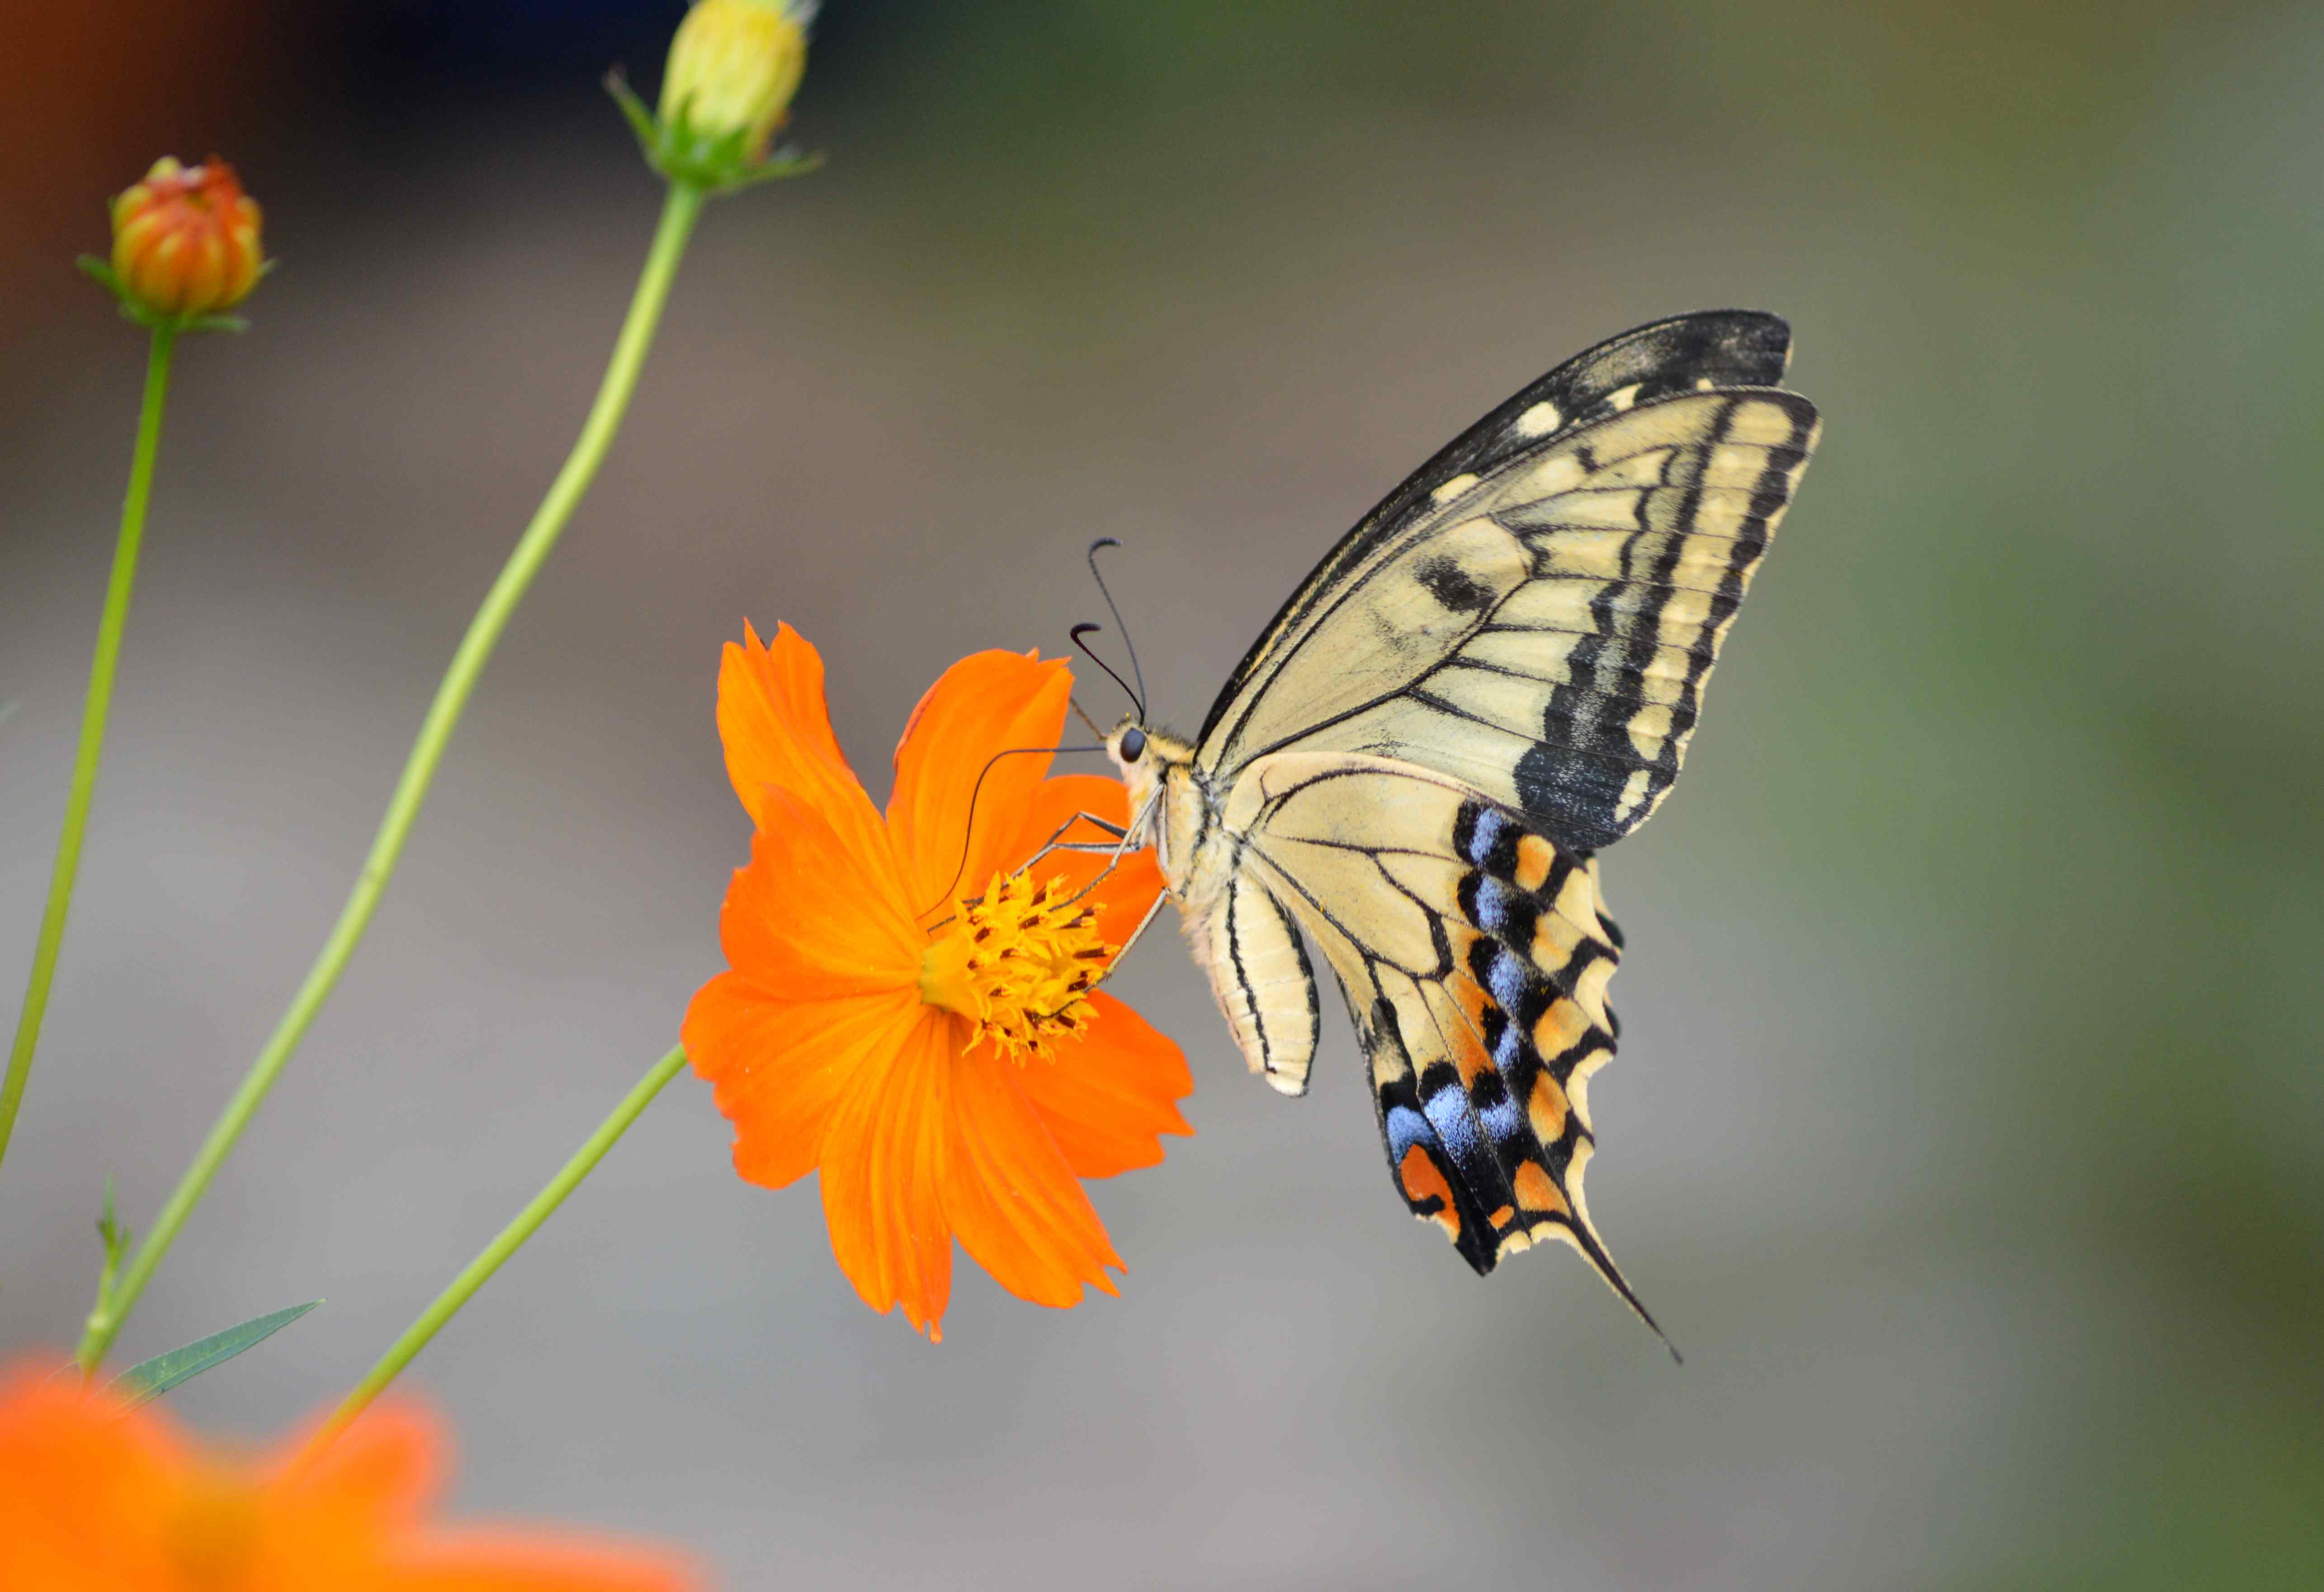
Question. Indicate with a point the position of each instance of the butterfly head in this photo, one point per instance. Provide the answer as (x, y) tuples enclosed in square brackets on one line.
[(1145, 758)]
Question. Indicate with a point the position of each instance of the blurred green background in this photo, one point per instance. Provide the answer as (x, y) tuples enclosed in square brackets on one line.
[(1969, 1128)]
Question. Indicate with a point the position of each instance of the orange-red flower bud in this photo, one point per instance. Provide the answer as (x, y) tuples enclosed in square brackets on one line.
[(185, 240)]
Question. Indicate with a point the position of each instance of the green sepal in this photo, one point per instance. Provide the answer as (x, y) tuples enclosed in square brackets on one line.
[(784, 162), (716, 165), (101, 272), (635, 112), (149, 1379)]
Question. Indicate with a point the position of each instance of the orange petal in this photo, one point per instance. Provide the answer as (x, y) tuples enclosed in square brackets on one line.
[(505, 1561), (777, 731), (1126, 893), (1019, 1209), (987, 703), (84, 1486), (1110, 1092), (779, 1068), (389, 1465), (809, 918), (882, 1149)]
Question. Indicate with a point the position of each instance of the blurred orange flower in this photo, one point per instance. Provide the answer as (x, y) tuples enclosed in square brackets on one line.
[(908, 1010), (96, 1498)]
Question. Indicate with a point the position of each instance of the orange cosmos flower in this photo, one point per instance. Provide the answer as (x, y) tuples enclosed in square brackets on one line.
[(97, 1498), (908, 1010)]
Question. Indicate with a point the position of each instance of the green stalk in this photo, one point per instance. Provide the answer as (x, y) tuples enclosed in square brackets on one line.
[(479, 1270), (679, 214), (93, 712)]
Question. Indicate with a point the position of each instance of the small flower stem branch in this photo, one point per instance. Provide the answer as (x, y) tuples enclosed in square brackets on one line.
[(511, 1237), (683, 207), (93, 712)]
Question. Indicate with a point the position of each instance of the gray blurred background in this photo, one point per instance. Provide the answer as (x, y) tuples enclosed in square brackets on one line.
[(1969, 1128)]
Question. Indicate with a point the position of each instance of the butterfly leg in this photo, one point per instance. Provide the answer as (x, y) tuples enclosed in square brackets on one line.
[(1114, 833), (1113, 854), (1145, 922)]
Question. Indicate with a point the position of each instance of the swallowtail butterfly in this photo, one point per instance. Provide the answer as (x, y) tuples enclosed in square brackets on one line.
[(1489, 680)]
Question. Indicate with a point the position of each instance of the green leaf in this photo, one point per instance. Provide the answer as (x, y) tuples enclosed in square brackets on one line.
[(151, 1378)]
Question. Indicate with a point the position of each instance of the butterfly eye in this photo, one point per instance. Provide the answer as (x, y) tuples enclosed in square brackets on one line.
[(1133, 744)]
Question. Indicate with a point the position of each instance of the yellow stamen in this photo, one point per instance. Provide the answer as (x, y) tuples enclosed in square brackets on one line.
[(1017, 963)]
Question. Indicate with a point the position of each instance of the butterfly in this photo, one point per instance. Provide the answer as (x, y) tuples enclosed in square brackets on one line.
[(1489, 680)]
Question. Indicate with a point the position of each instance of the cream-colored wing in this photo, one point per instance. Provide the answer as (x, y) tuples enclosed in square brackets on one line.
[(1259, 970), (1540, 624), (1474, 955)]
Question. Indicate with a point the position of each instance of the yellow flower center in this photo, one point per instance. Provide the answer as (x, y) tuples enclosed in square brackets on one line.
[(1017, 963)]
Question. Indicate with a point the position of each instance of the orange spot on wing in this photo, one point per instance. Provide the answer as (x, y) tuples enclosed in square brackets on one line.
[(1423, 1181), (1535, 856), (1503, 1216), (1564, 1023), (1472, 999), (1470, 1057), (1536, 1190), (1546, 1111)]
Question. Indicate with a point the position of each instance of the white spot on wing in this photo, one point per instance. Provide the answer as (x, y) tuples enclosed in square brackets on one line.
[(1621, 398), (1539, 420), (1452, 488)]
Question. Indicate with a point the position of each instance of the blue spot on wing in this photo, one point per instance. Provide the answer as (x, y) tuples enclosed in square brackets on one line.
[(1456, 1130), (1406, 1127), (1510, 976), (1503, 1120), (1492, 824), (1493, 901)]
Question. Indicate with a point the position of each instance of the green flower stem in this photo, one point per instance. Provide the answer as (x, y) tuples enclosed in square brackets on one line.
[(511, 1237), (93, 711), (678, 218)]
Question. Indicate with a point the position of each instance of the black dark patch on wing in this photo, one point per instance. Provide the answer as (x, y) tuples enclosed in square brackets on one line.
[(1454, 586)]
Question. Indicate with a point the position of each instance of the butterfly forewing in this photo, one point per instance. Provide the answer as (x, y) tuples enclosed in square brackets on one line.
[(1544, 631), (1687, 352)]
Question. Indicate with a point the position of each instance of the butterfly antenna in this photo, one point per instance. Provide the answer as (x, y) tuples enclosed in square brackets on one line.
[(1136, 673), (1084, 628), (975, 794)]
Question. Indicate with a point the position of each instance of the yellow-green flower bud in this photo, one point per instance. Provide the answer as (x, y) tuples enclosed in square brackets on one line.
[(185, 241), (733, 69)]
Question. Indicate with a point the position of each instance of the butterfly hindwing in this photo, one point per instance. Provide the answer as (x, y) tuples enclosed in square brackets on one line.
[(1474, 955), (1265, 987)]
